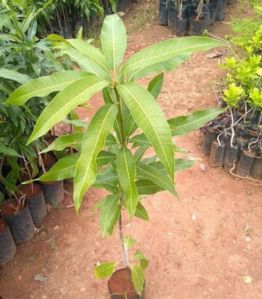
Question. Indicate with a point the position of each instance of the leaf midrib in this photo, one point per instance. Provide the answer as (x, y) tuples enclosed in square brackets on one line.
[(95, 147), (192, 122), (29, 95), (108, 212), (88, 89), (150, 174), (134, 65), (129, 178), (156, 135)]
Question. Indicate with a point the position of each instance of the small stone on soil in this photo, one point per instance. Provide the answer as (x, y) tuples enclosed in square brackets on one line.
[(202, 167), (247, 279), (40, 277), (248, 239)]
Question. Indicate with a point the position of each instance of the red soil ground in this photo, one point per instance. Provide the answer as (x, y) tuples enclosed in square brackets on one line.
[(207, 245)]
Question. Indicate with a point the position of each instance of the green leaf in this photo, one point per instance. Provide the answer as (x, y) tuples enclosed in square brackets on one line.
[(155, 85), (7, 151), (138, 278), (113, 40), (75, 94), (93, 142), (43, 86), (141, 212), (105, 270), (153, 174), (104, 158), (165, 52), (13, 75), (126, 170), (129, 242), (140, 152), (146, 187), (107, 179), (78, 124), (63, 169), (143, 261), (165, 66), (184, 124), (181, 164), (149, 117), (140, 140), (110, 212), (96, 58), (70, 140)]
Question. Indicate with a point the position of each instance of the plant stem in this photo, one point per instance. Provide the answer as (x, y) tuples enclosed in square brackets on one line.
[(122, 135), (121, 235), (232, 128), (235, 123)]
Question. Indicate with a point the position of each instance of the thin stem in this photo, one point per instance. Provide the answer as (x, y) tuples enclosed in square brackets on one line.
[(122, 135), (41, 162), (232, 128), (121, 235), (227, 129), (227, 42), (28, 172)]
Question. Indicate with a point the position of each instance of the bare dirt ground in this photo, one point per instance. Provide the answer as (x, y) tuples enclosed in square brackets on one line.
[(207, 245)]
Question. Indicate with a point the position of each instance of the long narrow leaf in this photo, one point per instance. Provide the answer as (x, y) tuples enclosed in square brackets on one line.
[(146, 187), (149, 172), (164, 66), (151, 120), (110, 212), (166, 50), (185, 124), (75, 94), (126, 169), (14, 76), (70, 140), (138, 278), (96, 57), (65, 168), (43, 86), (106, 179), (93, 142), (113, 39)]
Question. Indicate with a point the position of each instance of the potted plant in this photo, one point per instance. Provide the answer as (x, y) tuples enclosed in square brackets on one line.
[(163, 12), (200, 18), (35, 59), (112, 147), (182, 19), (14, 209), (7, 244)]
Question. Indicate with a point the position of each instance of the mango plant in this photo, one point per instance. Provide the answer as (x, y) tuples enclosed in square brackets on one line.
[(112, 149)]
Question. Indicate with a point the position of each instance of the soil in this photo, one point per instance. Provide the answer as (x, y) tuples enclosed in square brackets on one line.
[(10, 207), (206, 245), (29, 190), (2, 225), (121, 283), (49, 160)]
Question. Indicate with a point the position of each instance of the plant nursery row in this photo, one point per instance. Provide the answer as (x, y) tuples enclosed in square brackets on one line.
[(191, 17), (234, 139)]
